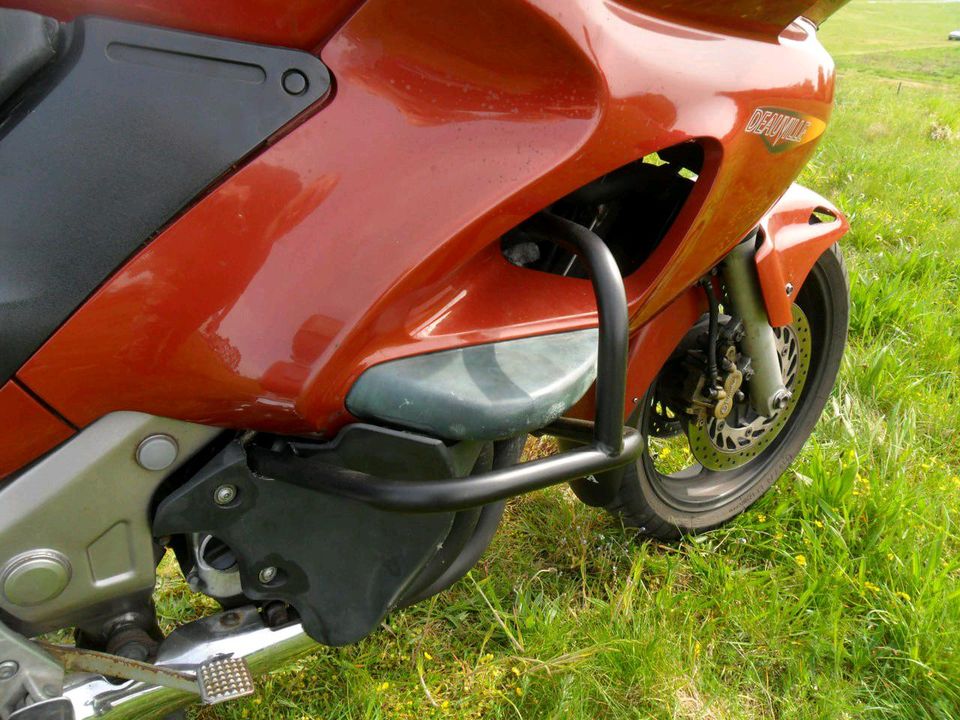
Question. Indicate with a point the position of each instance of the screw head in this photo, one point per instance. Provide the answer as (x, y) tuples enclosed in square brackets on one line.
[(225, 494), (8, 668), (295, 82), (268, 575), (789, 289)]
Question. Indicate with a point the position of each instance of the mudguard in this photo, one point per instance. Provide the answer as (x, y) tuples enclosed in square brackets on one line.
[(796, 231)]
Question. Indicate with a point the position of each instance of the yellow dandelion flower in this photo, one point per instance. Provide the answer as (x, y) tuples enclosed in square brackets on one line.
[(761, 517), (903, 596), (867, 585), (818, 524), (518, 691), (445, 704), (383, 686), (515, 670), (427, 656), (801, 560)]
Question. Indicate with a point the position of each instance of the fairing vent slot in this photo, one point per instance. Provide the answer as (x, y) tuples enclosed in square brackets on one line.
[(632, 209), (822, 215)]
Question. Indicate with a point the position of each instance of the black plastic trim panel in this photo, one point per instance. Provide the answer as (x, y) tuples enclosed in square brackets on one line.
[(108, 144)]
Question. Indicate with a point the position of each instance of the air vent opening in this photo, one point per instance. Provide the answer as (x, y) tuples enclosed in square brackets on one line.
[(822, 215), (631, 208)]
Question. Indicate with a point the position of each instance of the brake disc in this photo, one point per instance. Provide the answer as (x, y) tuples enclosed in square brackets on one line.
[(725, 444)]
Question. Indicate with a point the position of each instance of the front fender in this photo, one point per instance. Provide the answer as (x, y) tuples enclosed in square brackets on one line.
[(795, 232)]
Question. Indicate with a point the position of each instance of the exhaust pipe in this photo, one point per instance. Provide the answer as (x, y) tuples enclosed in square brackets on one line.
[(240, 634)]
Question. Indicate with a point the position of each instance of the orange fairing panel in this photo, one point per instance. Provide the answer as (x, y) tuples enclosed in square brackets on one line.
[(29, 430), (301, 24), (793, 239), (751, 16), (823, 9), (650, 347), (371, 230)]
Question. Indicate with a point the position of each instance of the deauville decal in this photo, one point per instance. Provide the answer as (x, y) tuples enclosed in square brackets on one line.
[(782, 129)]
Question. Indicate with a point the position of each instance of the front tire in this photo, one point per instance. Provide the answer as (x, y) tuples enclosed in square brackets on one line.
[(695, 499)]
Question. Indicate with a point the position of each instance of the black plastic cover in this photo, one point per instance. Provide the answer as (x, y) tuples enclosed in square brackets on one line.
[(342, 564), (111, 142)]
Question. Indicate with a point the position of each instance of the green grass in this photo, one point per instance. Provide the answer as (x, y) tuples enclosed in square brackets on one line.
[(838, 594)]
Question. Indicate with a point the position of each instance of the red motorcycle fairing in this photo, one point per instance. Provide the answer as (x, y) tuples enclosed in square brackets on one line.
[(793, 237), (302, 24), (370, 231), (293, 23), (32, 430), (796, 231)]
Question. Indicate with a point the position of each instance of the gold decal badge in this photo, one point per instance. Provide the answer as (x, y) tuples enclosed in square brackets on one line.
[(783, 129)]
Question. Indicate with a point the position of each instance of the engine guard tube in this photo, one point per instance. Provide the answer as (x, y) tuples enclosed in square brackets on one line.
[(795, 232)]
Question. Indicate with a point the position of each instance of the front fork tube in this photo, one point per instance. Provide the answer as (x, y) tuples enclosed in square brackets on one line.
[(768, 394)]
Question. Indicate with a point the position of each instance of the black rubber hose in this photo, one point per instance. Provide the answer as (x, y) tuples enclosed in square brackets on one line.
[(713, 334)]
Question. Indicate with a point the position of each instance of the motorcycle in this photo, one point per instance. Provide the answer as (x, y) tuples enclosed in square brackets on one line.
[(286, 287)]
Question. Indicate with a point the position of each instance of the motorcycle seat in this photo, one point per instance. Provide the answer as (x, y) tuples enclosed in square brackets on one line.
[(27, 42)]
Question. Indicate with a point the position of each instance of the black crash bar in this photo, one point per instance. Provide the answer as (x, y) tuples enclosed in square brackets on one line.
[(607, 443)]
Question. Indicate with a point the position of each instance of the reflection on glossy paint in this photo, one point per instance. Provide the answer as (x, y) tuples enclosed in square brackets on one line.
[(370, 231)]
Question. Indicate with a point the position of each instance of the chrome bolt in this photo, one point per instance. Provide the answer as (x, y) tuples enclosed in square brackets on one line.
[(225, 494), (268, 575), (8, 668), (789, 289), (782, 399)]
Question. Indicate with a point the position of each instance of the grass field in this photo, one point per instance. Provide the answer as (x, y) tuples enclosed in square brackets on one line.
[(838, 594)]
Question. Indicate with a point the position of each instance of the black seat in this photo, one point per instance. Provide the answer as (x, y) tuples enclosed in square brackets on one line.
[(27, 42)]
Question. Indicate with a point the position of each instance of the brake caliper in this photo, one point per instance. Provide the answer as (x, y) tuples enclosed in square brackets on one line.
[(716, 400)]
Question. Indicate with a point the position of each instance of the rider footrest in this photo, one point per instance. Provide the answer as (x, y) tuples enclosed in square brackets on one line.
[(224, 679)]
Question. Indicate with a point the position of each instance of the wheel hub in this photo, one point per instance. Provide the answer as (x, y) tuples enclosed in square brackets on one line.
[(725, 443)]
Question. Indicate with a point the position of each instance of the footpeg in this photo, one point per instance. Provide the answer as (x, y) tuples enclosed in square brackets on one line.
[(224, 679), (216, 680)]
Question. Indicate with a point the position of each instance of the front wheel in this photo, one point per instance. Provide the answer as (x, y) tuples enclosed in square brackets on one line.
[(694, 476)]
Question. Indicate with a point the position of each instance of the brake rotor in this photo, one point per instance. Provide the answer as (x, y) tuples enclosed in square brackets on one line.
[(725, 444)]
